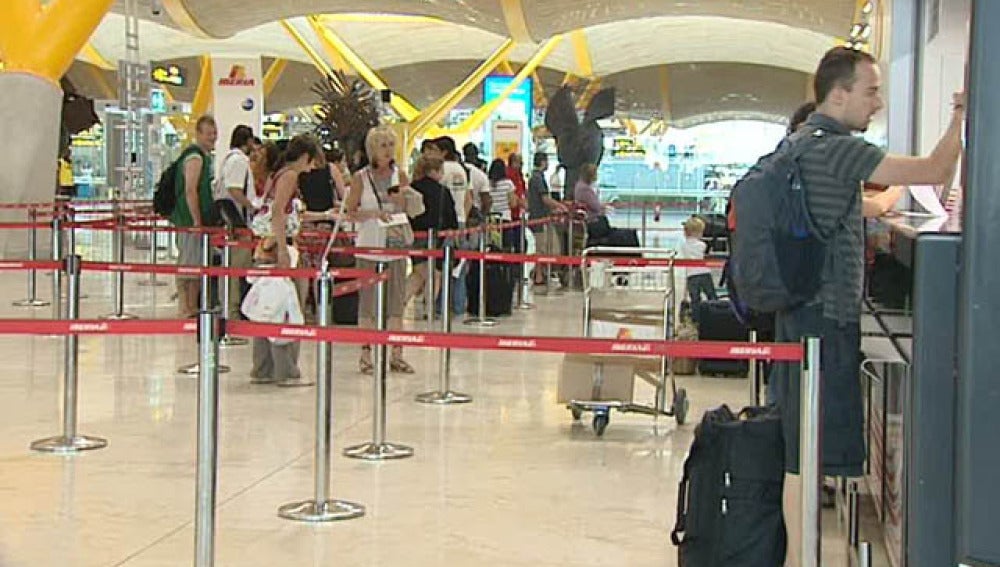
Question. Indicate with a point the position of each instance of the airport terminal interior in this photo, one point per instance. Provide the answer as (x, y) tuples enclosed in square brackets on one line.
[(540, 409)]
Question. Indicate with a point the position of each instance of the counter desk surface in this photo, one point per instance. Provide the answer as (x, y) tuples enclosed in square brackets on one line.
[(906, 227)]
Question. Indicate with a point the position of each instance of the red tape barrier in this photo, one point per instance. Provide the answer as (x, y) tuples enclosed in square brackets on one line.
[(62, 205), (788, 352), (97, 327), (30, 265), (216, 271)]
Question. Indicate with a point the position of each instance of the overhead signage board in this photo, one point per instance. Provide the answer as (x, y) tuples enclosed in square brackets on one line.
[(169, 75)]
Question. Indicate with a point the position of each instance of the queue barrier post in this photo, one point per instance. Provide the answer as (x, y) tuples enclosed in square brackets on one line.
[(429, 283), (378, 449), (118, 287), (70, 441), (524, 290), (443, 395), (482, 320), (321, 508), (811, 456), (32, 300), (57, 256), (206, 483), (228, 340), (753, 374), (152, 281), (204, 302)]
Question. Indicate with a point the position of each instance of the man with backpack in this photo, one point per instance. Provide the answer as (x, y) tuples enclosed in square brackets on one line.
[(193, 208), (829, 165)]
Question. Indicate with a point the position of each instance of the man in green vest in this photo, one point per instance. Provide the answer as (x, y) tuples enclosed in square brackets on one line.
[(193, 209)]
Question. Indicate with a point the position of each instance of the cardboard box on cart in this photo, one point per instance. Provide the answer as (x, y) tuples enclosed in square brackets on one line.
[(576, 378)]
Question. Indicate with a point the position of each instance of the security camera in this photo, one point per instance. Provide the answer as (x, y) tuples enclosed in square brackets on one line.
[(156, 7)]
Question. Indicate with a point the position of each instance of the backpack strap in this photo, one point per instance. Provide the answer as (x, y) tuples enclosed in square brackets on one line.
[(680, 525)]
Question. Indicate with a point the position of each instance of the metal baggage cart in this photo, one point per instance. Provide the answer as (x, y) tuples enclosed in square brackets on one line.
[(655, 284)]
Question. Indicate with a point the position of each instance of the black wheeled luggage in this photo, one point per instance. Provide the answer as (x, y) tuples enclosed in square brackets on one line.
[(717, 322), (500, 281)]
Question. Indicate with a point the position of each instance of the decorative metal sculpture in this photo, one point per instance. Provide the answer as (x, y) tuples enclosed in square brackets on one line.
[(77, 114), (578, 142), (348, 109)]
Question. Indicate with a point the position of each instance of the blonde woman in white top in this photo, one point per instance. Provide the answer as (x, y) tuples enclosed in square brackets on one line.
[(377, 191)]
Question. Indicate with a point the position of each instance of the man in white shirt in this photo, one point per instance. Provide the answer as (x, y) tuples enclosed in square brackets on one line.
[(232, 190), (235, 180), (468, 184)]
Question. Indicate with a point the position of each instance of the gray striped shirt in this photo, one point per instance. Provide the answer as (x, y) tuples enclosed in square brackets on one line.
[(833, 171)]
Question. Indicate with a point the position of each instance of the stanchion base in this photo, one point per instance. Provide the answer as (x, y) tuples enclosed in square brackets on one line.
[(383, 452), (228, 341), (526, 306), (444, 398), (295, 383), (62, 444), (313, 511), (480, 322), (194, 369), (153, 283), (119, 317), (31, 303)]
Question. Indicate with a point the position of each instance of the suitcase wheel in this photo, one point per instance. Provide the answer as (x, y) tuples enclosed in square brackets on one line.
[(681, 406), (601, 420)]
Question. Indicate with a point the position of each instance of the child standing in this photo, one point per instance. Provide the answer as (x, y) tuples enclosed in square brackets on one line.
[(699, 279)]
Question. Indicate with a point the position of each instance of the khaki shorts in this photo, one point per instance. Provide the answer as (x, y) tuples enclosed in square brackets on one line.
[(396, 291)]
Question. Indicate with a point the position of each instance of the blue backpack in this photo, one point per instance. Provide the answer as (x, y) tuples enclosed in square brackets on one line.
[(777, 252)]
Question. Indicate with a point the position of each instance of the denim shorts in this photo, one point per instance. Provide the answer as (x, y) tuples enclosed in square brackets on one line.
[(842, 437)]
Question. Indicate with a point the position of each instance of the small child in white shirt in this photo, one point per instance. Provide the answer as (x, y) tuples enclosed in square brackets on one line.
[(699, 279)]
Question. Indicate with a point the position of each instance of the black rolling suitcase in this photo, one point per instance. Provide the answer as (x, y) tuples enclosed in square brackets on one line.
[(500, 282), (717, 322)]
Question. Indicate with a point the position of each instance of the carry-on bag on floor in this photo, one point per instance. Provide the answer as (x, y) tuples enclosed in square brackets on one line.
[(729, 502), (685, 366), (717, 322), (500, 282)]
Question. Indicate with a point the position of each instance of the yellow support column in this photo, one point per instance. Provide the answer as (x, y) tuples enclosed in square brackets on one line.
[(584, 64), (588, 93), (332, 41), (484, 112), (665, 93), (321, 65), (448, 102), (274, 74), (65, 25), (203, 94), (335, 57)]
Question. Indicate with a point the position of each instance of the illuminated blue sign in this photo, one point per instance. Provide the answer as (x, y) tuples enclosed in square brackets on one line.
[(519, 106)]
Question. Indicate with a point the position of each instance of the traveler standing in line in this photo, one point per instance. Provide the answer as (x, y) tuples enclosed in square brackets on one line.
[(439, 214), (585, 194), (470, 153), (699, 279), (377, 193), (232, 200), (67, 187), (194, 207), (541, 205), (848, 92), (504, 198), (515, 166)]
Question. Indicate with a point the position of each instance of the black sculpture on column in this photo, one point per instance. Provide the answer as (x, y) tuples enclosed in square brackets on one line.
[(578, 142)]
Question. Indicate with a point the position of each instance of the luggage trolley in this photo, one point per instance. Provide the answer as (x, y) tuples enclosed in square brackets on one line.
[(607, 280)]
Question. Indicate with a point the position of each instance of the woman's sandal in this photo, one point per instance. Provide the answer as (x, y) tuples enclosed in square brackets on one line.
[(365, 362)]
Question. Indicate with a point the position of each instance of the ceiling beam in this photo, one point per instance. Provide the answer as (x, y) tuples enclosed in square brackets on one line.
[(203, 93), (91, 55), (403, 107), (332, 54)]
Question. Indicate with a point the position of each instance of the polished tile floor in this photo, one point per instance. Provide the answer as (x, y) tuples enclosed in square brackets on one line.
[(508, 480)]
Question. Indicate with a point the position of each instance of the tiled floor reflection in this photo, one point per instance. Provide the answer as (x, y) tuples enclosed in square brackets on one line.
[(508, 480)]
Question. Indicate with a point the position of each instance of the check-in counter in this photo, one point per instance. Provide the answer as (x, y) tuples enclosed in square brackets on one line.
[(908, 371)]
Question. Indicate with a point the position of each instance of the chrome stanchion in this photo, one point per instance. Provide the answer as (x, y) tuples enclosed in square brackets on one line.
[(548, 267), (643, 224), (57, 256), (227, 260), (752, 374), (208, 425), (444, 395), (525, 303), (32, 300), (152, 281), (118, 286), (481, 320), (204, 303), (811, 457), (321, 508), (864, 554), (70, 441), (429, 284), (378, 449)]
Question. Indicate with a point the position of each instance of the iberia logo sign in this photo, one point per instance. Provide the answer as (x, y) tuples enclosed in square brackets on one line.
[(237, 78)]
